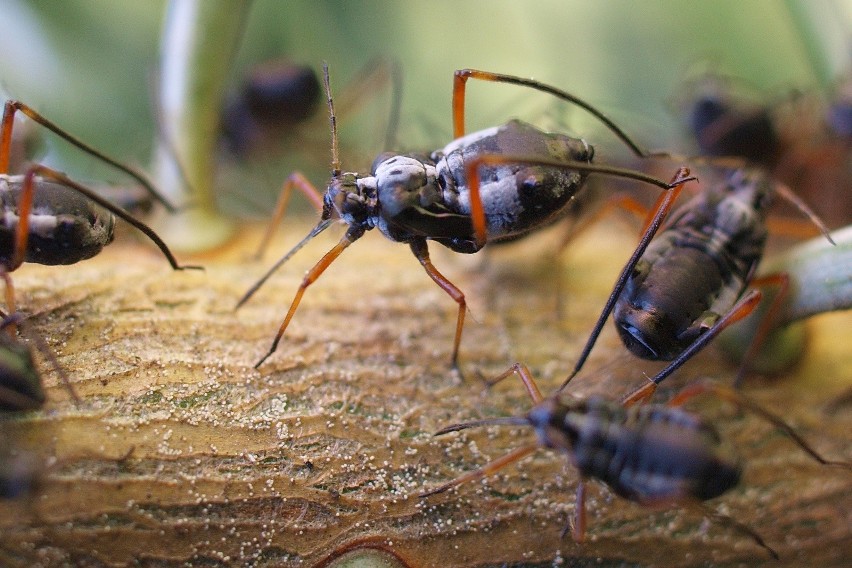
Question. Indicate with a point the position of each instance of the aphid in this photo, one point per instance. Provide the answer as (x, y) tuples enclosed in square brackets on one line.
[(803, 142), (690, 279), (49, 218), (277, 100), (726, 125), (654, 455), (19, 473), (273, 97), (23, 471), (20, 380), (528, 179)]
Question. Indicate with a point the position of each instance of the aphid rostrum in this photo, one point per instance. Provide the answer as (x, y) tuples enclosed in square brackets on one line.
[(651, 454), (690, 279), (495, 184), (49, 218)]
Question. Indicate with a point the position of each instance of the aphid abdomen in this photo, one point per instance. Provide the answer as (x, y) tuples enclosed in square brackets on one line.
[(516, 197), (694, 271), (65, 227), (652, 454), (659, 304)]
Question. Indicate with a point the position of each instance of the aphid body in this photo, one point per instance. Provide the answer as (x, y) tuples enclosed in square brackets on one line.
[(409, 197), (64, 227), (273, 97), (495, 184), (696, 268), (647, 453)]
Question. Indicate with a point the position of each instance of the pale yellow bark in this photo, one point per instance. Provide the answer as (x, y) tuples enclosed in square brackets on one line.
[(331, 440)]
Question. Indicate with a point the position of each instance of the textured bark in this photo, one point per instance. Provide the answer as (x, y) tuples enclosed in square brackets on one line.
[(330, 442)]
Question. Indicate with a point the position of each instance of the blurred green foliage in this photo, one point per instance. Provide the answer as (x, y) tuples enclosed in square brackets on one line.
[(92, 64)]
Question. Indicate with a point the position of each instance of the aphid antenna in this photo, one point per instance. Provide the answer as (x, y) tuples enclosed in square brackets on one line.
[(784, 191), (320, 227), (501, 421), (325, 221), (462, 75), (332, 118), (663, 208)]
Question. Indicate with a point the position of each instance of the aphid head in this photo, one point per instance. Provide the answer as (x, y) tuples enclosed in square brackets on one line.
[(345, 199), (550, 418), (647, 333)]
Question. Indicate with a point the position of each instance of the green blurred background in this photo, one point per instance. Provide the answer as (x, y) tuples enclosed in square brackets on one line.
[(91, 65)]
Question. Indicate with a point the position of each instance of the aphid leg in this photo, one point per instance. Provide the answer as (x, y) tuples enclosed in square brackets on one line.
[(485, 470), (577, 522), (459, 84), (524, 374), (767, 320), (47, 173), (663, 206), (741, 309), (460, 81), (789, 227), (310, 277), (10, 301), (784, 191), (731, 523), (620, 201), (472, 166), (300, 182), (22, 232), (736, 398), (421, 251), (6, 136), (6, 139)]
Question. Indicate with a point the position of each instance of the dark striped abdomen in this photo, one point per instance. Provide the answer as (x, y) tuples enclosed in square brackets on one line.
[(651, 453)]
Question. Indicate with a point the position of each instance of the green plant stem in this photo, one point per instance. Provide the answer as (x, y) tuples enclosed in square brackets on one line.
[(200, 38), (820, 276)]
